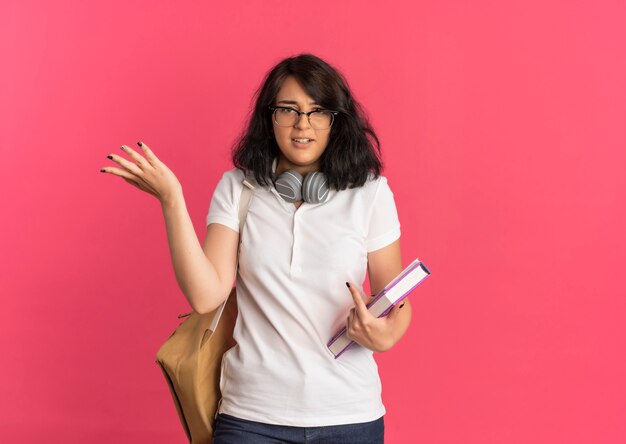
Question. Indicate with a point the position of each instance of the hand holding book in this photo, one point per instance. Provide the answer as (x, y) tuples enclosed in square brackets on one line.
[(366, 329), (368, 324)]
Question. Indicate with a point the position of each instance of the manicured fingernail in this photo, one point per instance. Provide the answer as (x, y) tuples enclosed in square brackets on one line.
[(102, 171), (110, 157), (348, 285), (122, 148), (402, 305), (139, 143)]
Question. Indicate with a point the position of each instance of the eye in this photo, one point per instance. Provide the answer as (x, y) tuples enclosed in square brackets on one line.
[(286, 110)]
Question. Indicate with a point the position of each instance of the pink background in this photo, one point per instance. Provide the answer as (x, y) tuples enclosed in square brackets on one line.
[(502, 127)]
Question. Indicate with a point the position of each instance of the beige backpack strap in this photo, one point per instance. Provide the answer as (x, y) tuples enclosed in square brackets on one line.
[(244, 202)]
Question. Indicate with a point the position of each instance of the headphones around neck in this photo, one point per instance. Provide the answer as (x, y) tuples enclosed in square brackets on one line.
[(292, 187)]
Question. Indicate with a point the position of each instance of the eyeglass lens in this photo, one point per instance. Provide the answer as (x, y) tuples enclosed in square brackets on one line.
[(288, 117)]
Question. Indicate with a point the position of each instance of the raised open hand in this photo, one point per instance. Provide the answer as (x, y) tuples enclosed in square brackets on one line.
[(148, 173)]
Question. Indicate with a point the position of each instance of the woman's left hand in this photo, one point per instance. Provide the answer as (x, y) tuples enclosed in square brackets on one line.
[(368, 330)]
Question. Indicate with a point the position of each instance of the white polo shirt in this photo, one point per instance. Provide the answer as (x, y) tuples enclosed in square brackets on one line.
[(292, 299)]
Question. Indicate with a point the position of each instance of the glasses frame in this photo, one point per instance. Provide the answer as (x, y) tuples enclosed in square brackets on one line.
[(308, 115)]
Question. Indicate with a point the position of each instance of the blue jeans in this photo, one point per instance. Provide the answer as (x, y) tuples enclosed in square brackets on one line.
[(231, 430)]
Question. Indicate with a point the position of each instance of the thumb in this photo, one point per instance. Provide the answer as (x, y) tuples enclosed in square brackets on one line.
[(359, 303)]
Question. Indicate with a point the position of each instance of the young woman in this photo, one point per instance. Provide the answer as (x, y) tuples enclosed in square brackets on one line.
[(321, 215)]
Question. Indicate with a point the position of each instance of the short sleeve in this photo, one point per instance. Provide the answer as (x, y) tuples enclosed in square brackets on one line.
[(224, 207), (384, 225)]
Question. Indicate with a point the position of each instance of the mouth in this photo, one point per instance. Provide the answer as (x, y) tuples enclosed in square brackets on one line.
[(302, 142)]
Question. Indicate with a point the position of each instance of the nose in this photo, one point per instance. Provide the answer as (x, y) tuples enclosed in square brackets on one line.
[(302, 121)]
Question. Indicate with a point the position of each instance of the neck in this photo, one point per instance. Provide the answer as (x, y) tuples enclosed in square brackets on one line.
[(284, 165)]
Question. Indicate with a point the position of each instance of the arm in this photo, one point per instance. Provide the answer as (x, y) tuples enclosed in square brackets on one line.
[(204, 274), (379, 334)]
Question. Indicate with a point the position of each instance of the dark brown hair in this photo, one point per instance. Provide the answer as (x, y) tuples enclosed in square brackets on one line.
[(350, 156)]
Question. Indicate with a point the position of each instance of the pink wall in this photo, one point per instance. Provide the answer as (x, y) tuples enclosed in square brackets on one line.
[(502, 128)]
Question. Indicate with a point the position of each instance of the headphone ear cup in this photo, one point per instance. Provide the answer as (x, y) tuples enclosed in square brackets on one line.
[(315, 187), (289, 186)]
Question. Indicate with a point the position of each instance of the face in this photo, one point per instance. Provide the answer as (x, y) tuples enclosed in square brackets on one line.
[(302, 157)]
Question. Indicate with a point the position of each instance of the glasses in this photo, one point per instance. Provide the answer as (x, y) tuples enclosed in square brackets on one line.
[(319, 119)]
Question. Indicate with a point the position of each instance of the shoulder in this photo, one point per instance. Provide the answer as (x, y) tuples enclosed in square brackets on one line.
[(229, 186), (224, 207), (377, 193), (374, 189), (231, 180), (373, 184), (233, 175)]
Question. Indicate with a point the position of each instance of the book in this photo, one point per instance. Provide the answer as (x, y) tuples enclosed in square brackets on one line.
[(398, 289)]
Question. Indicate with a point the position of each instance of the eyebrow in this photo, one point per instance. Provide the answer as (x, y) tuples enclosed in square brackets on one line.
[(293, 102)]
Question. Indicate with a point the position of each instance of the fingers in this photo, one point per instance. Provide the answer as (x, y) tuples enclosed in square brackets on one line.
[(352, 317), (358, 300), (137, 167), (119, 172), (350, 323), (138, 158), (130, 166), (130, 178), (354, 293), (393, 312), (348, 328), (152, 158), (127, 176), (146, 173)]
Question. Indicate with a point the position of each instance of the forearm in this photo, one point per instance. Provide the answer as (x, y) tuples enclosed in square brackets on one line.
[(400, 326), (196, 276)]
